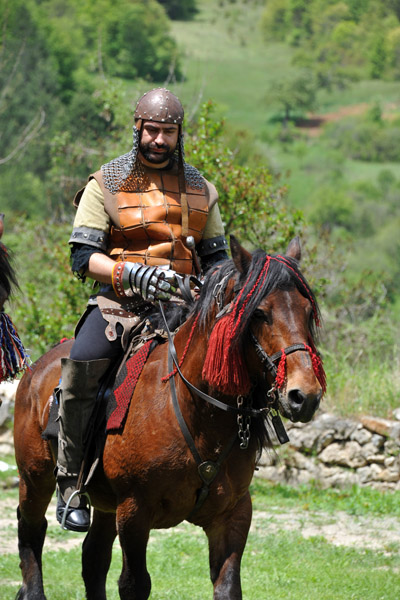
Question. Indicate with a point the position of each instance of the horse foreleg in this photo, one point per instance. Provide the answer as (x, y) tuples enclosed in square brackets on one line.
[(133, 530), (97, 553), (32, 525), (227, 539)]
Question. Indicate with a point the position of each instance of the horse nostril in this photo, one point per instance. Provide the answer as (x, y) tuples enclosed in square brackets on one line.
[(297, 398)]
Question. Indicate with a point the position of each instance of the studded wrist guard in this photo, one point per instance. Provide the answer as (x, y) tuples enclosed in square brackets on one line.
[(152, 283)]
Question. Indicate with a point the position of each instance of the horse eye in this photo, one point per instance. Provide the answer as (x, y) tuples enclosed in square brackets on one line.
[(260, 315)]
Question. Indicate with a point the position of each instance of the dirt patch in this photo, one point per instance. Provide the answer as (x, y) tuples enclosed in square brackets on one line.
[(313, 124), (339, 528)]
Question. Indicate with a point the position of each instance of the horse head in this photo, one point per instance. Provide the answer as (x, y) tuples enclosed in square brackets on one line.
[(264, 332)]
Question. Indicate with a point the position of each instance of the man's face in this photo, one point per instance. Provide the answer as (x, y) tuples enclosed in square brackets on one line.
[(158, 141)]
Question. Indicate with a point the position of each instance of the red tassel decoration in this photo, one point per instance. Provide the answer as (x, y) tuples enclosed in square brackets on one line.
[(317, 365), (281, 371), (223, 367)]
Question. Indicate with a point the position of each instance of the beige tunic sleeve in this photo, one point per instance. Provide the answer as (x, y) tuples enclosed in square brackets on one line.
[(90, 212), (214, 226)]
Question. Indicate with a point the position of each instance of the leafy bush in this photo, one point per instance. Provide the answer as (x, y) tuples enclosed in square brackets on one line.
[(251, 199), (50, 300), (369, 140)]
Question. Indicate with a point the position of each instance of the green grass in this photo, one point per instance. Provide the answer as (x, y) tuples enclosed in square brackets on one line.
[(371, 388), (353, 500), (279, 566), (283, 566)]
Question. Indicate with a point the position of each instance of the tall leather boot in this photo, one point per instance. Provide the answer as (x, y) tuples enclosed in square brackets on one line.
[(79, 386)]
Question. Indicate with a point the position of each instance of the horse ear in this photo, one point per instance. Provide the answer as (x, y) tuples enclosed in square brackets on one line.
[(241, 257), (294, 249)]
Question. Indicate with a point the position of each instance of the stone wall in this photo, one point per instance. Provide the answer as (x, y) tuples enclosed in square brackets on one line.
[(337, 452)]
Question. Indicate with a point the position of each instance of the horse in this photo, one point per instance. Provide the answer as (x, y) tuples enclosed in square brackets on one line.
[(13, 358), (198, 419), (7, 275)]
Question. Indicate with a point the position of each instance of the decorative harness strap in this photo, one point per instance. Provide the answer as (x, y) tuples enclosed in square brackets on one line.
[(208, 470), (269, 361)]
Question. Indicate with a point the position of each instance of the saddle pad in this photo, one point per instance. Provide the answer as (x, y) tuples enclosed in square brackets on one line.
[(124, 386)]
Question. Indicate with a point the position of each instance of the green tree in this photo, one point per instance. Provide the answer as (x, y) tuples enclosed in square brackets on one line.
[(339, 40), (295, 93), (29, 101), (127, 38), (181, 10), (137, 42), (378, 57), (274, 23)]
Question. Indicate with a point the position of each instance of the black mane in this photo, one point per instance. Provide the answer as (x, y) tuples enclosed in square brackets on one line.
[(8, 279), (283, 274)]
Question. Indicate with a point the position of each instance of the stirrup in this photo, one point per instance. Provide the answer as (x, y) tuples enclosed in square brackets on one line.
[(72, 496)]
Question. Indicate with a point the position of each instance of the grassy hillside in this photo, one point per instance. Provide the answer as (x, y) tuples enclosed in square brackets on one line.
[(226, 59)]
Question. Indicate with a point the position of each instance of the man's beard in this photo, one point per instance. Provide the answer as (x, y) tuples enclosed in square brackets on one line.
[(146, 151)]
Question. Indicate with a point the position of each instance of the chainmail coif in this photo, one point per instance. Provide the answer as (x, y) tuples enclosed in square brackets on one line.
[(126, 173)]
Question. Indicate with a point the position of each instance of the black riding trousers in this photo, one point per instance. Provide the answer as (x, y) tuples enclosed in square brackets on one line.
[(91, 342)]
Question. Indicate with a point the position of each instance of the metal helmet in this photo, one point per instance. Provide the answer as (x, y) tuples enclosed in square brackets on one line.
[(159, 105), (126, 172)]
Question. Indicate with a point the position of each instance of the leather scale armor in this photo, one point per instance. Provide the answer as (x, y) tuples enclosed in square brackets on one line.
[(151, 226)]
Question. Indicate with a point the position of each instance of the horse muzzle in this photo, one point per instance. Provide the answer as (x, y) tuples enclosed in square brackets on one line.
[(298, 405)]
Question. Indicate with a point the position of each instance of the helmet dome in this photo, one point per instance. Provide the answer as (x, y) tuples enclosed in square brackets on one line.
[(159, 105)]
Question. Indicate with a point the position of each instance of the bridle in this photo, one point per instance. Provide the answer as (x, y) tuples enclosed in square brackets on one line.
[(268, 362), (207, 469)]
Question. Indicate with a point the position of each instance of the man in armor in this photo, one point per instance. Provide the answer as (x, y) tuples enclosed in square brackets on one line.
[(141, 222)]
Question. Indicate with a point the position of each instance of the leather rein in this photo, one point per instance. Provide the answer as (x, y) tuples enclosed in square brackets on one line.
[(267, 361)]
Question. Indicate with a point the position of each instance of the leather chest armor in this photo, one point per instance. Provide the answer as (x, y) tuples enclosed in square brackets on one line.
[(151, 226)]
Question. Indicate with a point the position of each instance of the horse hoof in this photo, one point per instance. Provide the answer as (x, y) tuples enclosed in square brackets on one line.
[(78, 519)]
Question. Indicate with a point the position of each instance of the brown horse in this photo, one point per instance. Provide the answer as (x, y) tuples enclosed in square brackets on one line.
[(195, 461)]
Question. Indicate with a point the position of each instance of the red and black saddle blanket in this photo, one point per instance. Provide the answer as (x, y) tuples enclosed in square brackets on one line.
[(124, 385)]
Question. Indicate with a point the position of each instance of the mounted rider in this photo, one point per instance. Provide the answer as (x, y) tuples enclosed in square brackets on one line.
[(140, 224)]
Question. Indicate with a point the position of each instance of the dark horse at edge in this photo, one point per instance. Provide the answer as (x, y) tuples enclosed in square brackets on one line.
[(13, 358), (249, 343)]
